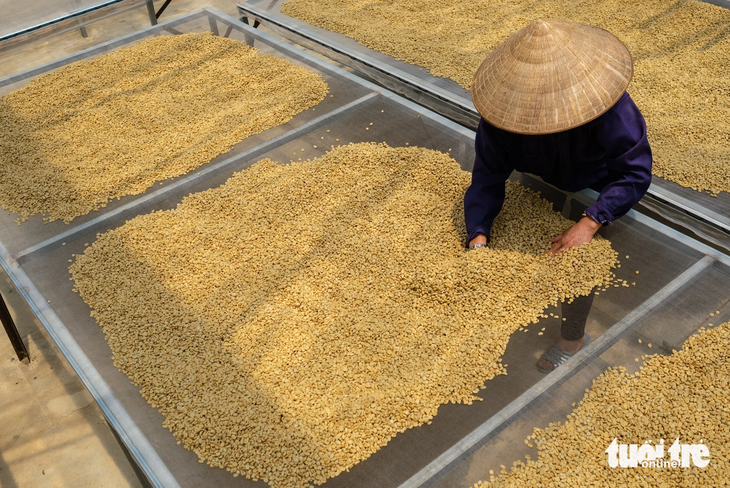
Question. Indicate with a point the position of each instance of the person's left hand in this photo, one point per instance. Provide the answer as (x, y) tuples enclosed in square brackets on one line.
[(578, 234)]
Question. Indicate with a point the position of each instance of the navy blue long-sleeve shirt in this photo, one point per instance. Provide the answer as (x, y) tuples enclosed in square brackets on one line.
[(610, 154)]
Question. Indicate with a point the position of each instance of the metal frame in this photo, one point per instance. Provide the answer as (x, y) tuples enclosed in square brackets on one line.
[(100, 49), (133, 440), (442, 101), (186, 182), (76, 20), (144, 454), (495, 424), (15, 339), (432, 472), (150, 464)]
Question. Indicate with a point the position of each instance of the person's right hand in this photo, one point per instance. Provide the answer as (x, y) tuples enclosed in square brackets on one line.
[(579, 234), (480, 239)]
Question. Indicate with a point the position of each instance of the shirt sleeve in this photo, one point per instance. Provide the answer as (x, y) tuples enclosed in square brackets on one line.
[(622, 133), (484, 199)]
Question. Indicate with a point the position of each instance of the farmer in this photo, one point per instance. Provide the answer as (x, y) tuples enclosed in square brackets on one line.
[(554, 104)]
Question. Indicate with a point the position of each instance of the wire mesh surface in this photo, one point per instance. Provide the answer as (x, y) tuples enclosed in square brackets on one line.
[(448, 98), (443, 95), (686, 312), (674, 271)]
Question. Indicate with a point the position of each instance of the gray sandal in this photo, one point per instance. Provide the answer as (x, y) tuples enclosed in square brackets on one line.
[(557, 356)]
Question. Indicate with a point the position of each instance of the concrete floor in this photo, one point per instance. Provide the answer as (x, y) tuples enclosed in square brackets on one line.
[(52, 433), (28, 55)]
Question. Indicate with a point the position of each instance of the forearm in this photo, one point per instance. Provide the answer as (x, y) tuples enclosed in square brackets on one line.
[(617, 198), (629, 167), (482, 203), (485, 196)]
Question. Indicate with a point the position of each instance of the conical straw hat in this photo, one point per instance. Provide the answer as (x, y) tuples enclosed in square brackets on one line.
[(551, 76)]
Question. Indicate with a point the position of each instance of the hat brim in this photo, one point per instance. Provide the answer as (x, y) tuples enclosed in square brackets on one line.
[(552, 76)]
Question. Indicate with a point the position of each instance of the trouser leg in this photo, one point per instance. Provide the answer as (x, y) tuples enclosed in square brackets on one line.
[(575, 315)]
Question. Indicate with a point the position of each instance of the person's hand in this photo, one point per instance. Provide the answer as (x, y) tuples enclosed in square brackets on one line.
[(480, 239), (577, 235)]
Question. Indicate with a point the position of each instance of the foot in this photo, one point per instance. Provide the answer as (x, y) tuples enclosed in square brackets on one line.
[(571, 346), (568, 346)]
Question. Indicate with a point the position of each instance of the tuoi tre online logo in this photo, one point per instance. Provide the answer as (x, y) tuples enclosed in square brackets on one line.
[(652, 455)]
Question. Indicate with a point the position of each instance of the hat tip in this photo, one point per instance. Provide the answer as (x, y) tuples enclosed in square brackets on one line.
[(540, 26)]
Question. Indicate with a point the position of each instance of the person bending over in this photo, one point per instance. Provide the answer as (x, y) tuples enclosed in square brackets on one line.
[(553, 103)]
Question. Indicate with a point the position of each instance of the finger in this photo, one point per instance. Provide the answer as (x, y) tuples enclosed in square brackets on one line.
[(557, 237), (555, 252), (554, 249), (567, 245)]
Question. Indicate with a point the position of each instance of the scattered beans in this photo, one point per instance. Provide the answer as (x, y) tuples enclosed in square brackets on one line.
[(292, 321), (681, 53), (96, 130), (683, 395)]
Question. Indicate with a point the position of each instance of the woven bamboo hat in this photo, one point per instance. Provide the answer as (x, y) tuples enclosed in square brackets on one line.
[(551, 76)]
